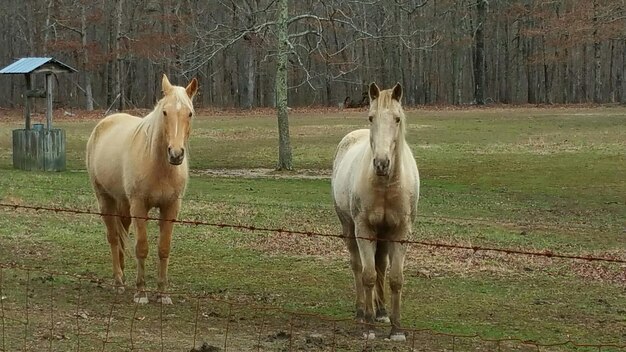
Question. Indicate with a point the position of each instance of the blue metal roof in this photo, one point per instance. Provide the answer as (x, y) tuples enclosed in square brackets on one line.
[(30, 64)]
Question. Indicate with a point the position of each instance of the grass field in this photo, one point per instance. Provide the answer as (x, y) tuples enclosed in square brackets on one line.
[(523, 178)]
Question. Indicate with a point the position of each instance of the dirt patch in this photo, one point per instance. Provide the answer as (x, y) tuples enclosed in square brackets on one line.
[(265, 173), (430, 262)]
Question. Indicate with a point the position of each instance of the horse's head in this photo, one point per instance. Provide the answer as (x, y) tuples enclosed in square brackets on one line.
[(177, 112), (386, 126)]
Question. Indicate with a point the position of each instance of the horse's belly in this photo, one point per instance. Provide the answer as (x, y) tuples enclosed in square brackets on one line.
[(106, 172)]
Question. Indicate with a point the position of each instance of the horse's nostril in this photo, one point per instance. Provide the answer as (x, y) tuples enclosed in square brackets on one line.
[(381, 164)]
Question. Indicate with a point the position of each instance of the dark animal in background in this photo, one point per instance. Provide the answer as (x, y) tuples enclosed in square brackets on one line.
[(348, 103)]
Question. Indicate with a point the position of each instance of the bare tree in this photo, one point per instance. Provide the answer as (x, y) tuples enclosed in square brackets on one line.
[(532, 50), (119, 93), (597, 88), (623, 75), (85, 57), (284, 143), (479, 52)]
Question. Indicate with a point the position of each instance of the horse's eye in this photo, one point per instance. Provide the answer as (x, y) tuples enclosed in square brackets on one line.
[(164, 113), (397, 119), (371, 118), (190, 114)]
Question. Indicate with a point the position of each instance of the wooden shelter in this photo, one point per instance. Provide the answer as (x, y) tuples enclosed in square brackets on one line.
[(36, 147)]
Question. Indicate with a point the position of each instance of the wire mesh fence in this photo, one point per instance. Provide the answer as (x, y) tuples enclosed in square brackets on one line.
[(43, 310), (46, 310)]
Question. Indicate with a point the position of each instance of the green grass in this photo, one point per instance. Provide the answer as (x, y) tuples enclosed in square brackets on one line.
[(537, 179)]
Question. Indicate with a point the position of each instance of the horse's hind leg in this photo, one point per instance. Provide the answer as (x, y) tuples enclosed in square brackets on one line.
[(382, 261), (139, 213), (355, 264), (126, 221), (168, 212), (357, 271), (112, 222)]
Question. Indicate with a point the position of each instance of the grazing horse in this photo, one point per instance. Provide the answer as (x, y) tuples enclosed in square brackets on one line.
[(136, 164), (375, 187)]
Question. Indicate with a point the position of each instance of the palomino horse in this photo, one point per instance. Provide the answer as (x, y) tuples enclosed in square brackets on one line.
[(136, 164), (375, 186)]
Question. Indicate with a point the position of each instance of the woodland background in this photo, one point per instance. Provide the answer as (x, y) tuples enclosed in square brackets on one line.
[(442, 51)]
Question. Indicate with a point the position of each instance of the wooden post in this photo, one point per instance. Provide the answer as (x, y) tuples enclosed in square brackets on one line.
[(49, 100), (29, 87)]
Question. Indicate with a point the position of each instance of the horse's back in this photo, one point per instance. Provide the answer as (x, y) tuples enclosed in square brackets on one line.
[(111, 127), (347, 142)]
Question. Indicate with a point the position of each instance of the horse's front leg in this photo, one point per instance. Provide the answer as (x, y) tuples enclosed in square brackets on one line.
[(366, 242), (139, 212), (397, 252), (168, 212)]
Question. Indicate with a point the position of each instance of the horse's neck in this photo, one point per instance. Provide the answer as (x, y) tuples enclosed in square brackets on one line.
[(152, 132)]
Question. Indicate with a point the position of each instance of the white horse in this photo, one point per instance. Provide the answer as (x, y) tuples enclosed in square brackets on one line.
[(375, 185)]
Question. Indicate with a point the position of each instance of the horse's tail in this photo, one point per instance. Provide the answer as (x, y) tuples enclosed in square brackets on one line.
[(122, 232)]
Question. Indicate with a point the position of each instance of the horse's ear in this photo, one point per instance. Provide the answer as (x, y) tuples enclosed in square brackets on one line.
[(192, 88), (374, 91), (396, 94), (166, 86)]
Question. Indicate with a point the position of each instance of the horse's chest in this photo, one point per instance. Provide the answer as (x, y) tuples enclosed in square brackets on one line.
[(164, 190), (385, 208)]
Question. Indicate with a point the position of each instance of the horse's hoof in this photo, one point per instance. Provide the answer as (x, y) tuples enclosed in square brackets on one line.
[(164, 299), (141, 298), (120, 289), (383, 319), (370, 335), (397, 337)]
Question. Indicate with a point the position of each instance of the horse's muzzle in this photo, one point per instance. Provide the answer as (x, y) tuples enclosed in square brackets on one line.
[(381, 166), (175, 157)]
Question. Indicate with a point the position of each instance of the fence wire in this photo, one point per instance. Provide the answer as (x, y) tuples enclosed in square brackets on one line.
[(475, 248)]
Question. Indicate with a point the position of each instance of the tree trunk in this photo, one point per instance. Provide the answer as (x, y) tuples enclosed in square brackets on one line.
[(251, 76), (456, 75), (507, 63), (284, 145), (622, 83), (519, 64), (546, 74), (479, 59), (46, 35), (584, 96), (366, 53), (597, 68), (565, 77), (532, 92), (611, 96), (86, 73), (119, 94), (623, 75)]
